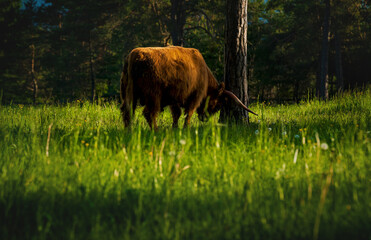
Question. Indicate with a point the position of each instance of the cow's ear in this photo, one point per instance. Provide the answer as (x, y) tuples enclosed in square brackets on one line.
[(221, 89)]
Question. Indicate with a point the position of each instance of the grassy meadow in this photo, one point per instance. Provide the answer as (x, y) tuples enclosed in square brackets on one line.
[(298, 171)]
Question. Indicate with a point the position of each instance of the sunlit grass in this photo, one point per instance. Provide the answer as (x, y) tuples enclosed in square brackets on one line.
[(295, 172)]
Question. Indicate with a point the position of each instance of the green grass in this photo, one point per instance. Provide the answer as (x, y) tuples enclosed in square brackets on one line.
[(296, 172)]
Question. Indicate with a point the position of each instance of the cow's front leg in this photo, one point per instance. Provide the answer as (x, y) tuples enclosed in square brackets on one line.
[(193, 103), (189, 114)]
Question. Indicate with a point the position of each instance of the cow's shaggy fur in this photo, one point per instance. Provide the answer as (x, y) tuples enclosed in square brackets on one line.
[(169, 76)]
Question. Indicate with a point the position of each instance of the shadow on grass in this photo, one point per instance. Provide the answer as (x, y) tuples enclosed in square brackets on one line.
[(167, 214)]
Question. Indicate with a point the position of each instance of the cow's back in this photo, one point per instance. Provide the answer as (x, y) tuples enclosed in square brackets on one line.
[(170, 73)]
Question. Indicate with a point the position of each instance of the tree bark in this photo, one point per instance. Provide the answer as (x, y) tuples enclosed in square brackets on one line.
[(338, 64), (92, 78), (296, 91), (322, 81), (235, 60), (33, 76), (161, 22), (177, 22)]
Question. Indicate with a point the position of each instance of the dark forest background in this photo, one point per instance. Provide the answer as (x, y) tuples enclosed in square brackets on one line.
[(64, 50)]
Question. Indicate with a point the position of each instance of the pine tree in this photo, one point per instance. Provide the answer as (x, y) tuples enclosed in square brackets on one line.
[(235, 75)]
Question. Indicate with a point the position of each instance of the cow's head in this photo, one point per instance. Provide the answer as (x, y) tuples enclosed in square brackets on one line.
[(215, 100)]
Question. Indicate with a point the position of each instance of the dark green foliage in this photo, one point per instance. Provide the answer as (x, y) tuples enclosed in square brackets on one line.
[(12, 53), (80, 43)]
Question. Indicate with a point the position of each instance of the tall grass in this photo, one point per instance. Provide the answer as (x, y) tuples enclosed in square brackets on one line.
[(296, 172)]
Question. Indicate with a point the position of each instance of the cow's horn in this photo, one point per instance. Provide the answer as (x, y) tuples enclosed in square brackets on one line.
[(238, 101)]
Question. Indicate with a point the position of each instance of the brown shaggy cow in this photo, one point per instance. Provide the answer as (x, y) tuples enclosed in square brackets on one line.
[(170, 76)]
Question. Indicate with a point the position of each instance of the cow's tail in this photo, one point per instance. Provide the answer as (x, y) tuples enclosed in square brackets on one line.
[(126, 93), (124, 81)]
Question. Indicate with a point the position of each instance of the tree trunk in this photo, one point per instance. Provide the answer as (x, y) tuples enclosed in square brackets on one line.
[(296, 91), (250, 70), (338, 64), (33, 76), (161, 21), (235, 60), (322, 81), (178, 20), (92, 78)]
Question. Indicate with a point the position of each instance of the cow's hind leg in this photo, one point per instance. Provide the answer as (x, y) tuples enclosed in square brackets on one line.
[(151, 111), (176, 112), (127, 111)]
